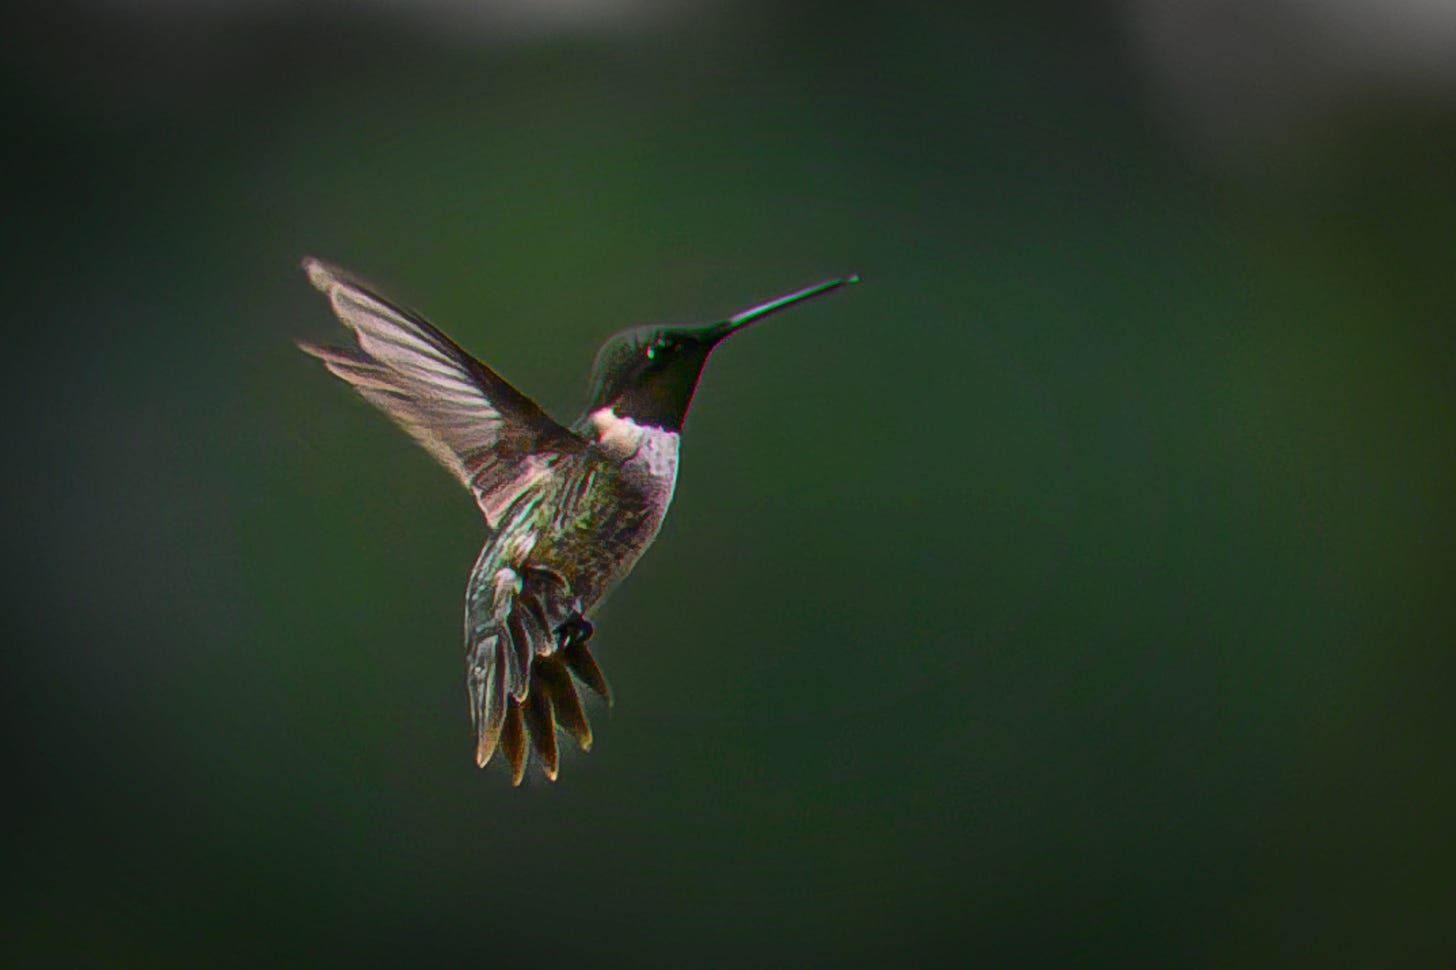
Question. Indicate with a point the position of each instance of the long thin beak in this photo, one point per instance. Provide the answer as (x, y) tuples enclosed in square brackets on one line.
[(754, 314)]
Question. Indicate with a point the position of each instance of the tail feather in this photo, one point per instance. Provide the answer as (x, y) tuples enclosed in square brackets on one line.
[(551, 676), (488, 696), (513, 741), (523, 671), (542, 723), (520, 655), (579, 658), (533, 609)]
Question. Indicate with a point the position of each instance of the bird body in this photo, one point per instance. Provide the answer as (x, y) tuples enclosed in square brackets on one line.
[(570, 510)]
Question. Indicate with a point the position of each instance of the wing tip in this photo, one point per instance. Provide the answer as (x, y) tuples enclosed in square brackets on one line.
[(320, 274), (313, 349)]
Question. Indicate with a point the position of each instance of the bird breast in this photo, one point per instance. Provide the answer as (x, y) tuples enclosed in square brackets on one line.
[(622, 528), (647, 455)]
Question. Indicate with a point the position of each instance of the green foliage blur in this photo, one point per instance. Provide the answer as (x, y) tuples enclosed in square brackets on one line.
[(1076, 591)]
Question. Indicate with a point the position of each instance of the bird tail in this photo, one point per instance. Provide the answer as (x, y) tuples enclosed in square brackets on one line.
[(522, 673)]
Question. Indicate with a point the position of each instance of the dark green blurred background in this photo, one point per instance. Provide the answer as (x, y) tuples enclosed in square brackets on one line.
[(1074, 592)]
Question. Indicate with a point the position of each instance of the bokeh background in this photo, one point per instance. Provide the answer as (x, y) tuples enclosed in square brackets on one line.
[(1074, 592)]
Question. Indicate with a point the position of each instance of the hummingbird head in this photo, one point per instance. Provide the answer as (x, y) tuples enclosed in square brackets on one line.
[(648, 374)]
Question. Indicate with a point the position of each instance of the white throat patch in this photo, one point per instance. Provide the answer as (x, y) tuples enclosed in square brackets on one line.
[(619, 437), (641, 448)]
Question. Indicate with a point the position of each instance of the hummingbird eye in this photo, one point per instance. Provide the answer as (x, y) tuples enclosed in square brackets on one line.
[(658, 346)]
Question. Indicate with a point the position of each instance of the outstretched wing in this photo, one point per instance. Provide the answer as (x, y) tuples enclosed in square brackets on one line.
[(493, 438)]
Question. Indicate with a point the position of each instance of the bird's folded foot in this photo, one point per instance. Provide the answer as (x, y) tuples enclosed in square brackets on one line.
[(575, 630)]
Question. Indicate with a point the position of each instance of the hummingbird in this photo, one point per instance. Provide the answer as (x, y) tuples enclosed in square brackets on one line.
[(569, 510)]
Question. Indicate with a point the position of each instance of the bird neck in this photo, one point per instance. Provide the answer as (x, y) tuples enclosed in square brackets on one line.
[(623, 439)]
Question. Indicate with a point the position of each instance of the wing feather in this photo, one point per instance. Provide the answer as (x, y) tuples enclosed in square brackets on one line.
[(490, 436)]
